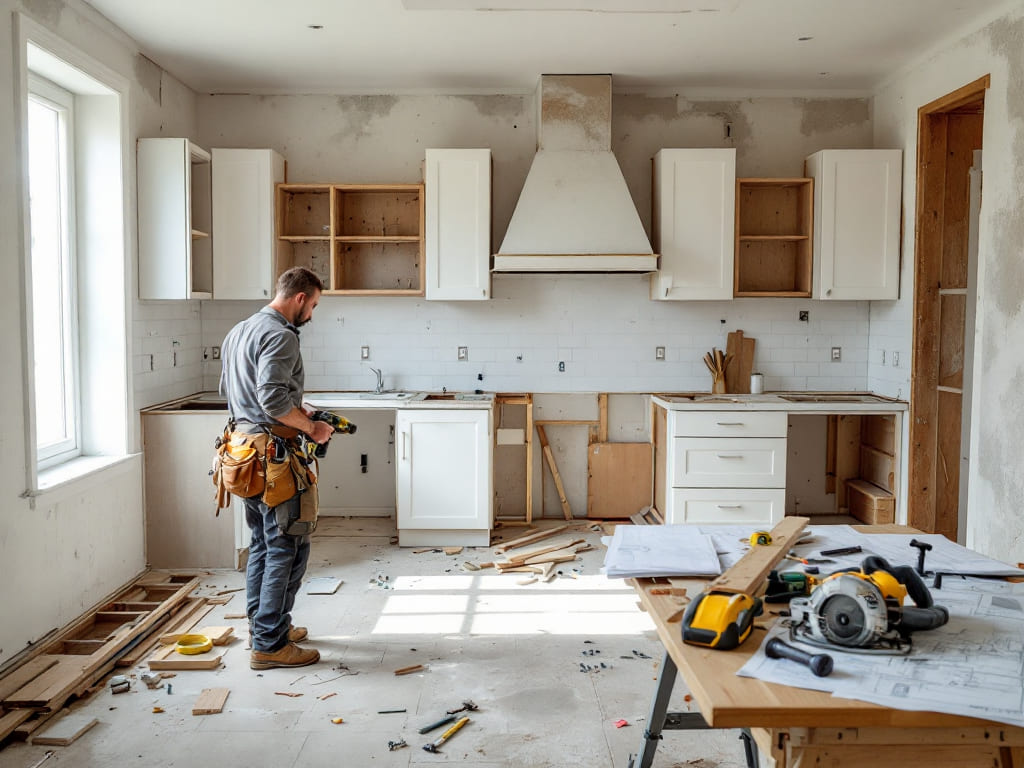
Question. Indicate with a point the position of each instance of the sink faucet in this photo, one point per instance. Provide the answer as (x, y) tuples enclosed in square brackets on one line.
[(380, 379)]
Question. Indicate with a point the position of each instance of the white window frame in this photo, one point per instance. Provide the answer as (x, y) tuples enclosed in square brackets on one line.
[(105, 231), (62, 101)]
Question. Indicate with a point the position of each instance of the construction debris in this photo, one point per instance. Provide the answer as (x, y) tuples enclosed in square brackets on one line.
[(409, 670), (393, 745)]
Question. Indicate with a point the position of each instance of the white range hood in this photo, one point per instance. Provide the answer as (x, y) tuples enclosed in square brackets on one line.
[(575, 213)]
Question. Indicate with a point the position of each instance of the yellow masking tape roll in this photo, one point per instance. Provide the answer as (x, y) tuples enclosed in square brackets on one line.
[(193, 644)]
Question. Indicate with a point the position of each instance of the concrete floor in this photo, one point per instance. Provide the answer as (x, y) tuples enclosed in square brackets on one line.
[(514, 650)]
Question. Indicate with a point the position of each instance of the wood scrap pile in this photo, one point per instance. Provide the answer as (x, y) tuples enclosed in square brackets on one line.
[(74, 662), (527, 554)]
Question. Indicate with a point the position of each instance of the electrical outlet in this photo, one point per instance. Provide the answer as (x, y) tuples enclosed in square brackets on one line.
[(659, 353), (215, 352), (463, 353), (805, 316), (561, 366), (364, 353), (837, 354), (895, 359)]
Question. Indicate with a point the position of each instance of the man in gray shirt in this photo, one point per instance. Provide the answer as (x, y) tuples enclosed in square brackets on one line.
[(262, 379)]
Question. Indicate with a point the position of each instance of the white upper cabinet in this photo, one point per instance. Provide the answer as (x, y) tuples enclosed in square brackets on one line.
[(857, 203), (458, 224), (175, 253), (244, 234), (693, 223)]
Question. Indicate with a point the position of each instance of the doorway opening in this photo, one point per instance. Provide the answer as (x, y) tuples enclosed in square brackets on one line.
[(949, 142)]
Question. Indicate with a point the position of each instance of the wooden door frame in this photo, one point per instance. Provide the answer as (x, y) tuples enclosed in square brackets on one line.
[(928, 246)]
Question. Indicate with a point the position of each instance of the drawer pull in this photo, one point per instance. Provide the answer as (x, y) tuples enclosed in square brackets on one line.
[(729, 506), (729, 423), (730, 455)]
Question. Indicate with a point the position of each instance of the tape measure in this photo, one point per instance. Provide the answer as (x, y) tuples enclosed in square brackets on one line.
[(193, 644), (760, 538), (720, 620)]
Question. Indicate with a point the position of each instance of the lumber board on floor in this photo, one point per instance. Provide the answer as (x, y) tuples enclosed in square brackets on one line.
[(25, 674), (186, 617), (211, 701), (167, 658), (10, 721), (66, 730), (530, 538)]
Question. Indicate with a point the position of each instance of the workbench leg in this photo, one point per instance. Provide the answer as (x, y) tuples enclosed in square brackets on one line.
[(656, 718)]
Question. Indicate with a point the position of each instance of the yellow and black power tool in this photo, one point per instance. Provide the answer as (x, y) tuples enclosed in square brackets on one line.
[(310, 448), (862, 610), (720, 620)]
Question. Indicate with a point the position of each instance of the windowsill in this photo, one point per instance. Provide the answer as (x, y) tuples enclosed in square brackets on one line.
[(79, 468)]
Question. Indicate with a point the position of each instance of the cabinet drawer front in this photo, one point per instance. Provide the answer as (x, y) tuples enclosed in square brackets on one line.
[(730, 463), (758, 506), (730, 424)]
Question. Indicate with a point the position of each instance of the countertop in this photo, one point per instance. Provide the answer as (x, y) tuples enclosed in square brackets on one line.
[(206, 402), (792, 402)]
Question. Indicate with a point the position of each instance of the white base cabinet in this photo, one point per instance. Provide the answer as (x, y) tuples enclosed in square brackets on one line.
[(458, 224), (444, 477), (244, 235), (694, 223), (857, 206), (725, 467)]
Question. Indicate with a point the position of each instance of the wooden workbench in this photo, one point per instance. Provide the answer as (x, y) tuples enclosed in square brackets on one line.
[(798, 728)]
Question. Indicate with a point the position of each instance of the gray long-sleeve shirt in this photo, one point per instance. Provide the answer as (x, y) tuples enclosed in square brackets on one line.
[(261, 368)]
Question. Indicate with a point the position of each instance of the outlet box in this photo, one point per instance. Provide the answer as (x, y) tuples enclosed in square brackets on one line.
[(805, 316), (561, 366), (463, 353), (659, 353), (895, 359), (215, 352), (837, 354), (883, 357), (364, 353)]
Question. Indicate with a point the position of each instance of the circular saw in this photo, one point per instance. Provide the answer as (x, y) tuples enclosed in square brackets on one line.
[(862, 610)]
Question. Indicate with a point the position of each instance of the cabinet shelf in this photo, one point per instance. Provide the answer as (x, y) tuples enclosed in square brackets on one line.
[(774, 228), (360, 239)]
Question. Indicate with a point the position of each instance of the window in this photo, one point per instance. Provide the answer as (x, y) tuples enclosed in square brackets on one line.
[(54, 300)]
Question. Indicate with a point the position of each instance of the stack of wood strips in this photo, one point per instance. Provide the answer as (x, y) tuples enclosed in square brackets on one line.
[(73, 662), (532, 556)]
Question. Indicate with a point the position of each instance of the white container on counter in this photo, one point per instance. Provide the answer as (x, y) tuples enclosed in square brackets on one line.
[(756, 383)]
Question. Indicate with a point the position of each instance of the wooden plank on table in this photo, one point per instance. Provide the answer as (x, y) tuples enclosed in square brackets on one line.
[(211, 701), (749, 574), (550, 458), (529, 538), (64, 730), (870, 504), (167, 658), (618, 479), (24, 674), (877, 467)]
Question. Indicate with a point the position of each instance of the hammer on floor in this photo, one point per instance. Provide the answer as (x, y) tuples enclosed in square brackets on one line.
[(432, 746)]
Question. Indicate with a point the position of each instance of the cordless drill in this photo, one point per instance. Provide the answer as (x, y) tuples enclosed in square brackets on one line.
[(310, 448)]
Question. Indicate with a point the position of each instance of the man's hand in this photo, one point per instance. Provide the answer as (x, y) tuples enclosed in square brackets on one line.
[(322, 431)]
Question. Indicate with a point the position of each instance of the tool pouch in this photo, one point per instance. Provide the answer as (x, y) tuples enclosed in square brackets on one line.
[(300, 519), (238, 466)]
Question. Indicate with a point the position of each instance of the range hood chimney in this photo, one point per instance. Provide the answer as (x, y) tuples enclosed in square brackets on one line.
[(575, 213)]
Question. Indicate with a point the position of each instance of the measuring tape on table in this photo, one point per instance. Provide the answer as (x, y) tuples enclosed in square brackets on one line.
[(760, 538)]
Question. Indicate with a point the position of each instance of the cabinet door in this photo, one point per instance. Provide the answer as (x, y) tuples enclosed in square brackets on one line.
[(857, 201), (173, 197), (694, 223), (458, 223), (444, 469), (243, 222)]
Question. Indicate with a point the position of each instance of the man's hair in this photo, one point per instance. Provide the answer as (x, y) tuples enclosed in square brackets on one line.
[(298, 280)]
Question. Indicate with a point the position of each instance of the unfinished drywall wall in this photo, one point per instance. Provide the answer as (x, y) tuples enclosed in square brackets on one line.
[(604, 328), (995, 522), (66, 549)]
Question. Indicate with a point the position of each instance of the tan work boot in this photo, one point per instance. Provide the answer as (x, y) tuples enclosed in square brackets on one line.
[(290, 655), (297, 634)]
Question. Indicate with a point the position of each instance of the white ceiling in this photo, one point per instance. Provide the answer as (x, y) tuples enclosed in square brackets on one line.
[(471, 46)]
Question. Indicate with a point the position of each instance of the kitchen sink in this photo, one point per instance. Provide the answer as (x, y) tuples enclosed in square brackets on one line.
[(376, 395)]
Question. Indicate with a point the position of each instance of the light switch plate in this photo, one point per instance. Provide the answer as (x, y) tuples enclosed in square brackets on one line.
[(364, 353), (837, 354), (463, 353), (659, 353)]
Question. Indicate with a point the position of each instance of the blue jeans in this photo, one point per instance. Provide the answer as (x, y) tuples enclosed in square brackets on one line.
[(277, 563)]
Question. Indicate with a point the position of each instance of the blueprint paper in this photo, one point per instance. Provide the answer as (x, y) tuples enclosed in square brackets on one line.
[(660, 550), (972, 666)]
